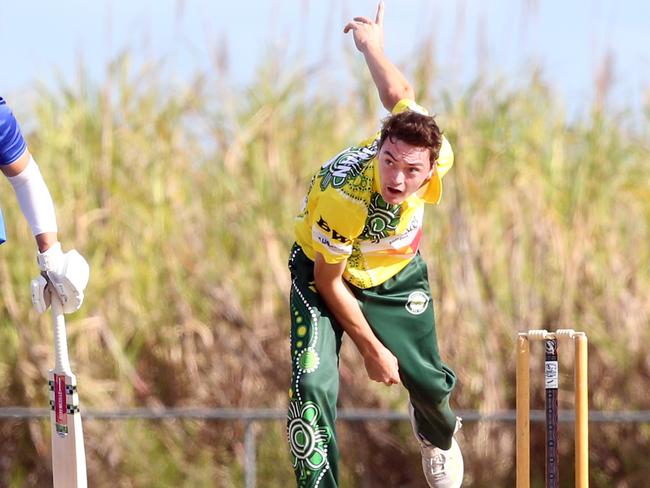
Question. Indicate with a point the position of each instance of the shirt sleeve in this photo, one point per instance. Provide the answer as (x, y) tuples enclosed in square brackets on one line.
[(406, 104), (12, 144), (445, 157), (335, 225)]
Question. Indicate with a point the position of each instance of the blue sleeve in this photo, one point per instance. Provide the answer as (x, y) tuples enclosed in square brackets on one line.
[(12, 144), (3, 235)]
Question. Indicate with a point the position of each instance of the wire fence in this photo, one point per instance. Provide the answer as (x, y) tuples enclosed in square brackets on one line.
[(252, 416)]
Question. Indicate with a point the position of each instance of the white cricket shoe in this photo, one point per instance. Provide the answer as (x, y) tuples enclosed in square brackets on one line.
[(442, 468)]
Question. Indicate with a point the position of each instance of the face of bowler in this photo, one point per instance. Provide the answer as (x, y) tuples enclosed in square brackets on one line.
[(403, 169)]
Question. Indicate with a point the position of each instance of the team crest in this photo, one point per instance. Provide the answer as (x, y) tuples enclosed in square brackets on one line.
[(417, 303)]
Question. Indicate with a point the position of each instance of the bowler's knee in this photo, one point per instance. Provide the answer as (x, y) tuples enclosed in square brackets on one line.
[(317, 388)]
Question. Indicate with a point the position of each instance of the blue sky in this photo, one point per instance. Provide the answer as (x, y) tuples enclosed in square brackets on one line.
[(568, 39)]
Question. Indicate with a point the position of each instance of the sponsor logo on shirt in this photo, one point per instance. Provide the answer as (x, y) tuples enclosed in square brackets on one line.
[(330, 238), (335, 235)]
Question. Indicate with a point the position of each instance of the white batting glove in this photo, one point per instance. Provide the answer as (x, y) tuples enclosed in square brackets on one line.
[(41, 297), (65, 274)]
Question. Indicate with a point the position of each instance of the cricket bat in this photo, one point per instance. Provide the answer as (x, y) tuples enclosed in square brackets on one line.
[(68, 453)]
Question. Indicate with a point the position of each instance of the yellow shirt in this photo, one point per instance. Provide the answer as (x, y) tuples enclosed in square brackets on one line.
[(345, 217)]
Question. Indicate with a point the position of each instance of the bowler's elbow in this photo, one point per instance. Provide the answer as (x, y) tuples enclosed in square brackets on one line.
[(326, 274), (393, 95)]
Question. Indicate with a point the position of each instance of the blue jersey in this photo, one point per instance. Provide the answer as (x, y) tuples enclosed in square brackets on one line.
[(3, 236), (12, 144)]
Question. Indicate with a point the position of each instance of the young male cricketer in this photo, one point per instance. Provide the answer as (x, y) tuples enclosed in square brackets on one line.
[(66, 274), (356, 269)]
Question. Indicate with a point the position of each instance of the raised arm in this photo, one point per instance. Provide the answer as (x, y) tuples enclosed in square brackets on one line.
[(369, 40)]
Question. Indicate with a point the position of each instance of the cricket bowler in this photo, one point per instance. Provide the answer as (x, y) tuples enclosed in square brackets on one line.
[(355, 269)]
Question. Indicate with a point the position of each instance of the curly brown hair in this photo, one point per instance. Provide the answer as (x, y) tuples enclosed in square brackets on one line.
[(413, 128)]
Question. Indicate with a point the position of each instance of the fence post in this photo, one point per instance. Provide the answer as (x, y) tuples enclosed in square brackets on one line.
[(250, 463)]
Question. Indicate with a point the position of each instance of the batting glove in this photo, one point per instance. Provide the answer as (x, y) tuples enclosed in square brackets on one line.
[(65, 274)]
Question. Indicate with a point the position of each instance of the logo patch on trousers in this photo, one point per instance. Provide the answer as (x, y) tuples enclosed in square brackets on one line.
[(417, 302)]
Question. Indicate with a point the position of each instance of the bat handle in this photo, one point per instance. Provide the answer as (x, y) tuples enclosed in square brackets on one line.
[(62, 361)]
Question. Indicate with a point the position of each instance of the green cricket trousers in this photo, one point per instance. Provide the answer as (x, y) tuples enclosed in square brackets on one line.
[(401, 315)]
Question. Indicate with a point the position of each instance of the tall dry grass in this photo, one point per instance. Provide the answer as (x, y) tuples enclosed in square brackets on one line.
[(182, 199)]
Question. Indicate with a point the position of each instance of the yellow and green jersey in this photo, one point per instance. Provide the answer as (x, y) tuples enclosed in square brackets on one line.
[(344, 216)]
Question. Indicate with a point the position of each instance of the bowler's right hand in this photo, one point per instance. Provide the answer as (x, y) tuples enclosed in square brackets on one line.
[(368, 35), (381, 366)]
